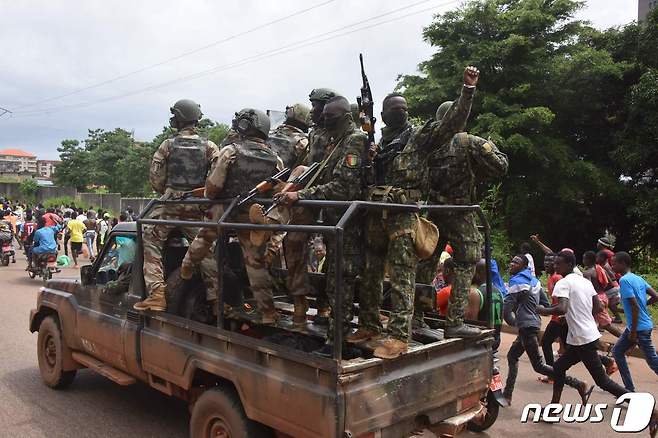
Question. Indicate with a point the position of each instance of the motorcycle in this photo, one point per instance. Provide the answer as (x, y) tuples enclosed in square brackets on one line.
[(7, 253), (43, 265)]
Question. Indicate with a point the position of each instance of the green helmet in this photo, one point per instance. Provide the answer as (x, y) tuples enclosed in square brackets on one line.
[(442, 110), (186, 110), (322, 94), (299, 113), (252, 122)]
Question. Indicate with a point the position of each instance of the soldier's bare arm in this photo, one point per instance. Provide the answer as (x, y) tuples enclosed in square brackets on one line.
[(158, 170), (490, 162)]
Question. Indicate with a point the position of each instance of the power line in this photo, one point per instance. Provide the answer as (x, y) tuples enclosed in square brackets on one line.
[(254, 58), (177, 57), (4, 111)]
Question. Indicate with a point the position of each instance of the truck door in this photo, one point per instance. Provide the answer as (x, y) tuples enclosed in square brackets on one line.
[(102, 315)]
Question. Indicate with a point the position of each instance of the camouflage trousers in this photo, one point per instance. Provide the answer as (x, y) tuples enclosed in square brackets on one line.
[(461, 231), (389, 242), (154, 239), (260, 280), (352, 267)]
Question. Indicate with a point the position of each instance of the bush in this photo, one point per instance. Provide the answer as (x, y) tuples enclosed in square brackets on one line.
[(65, 200), (29, 189)]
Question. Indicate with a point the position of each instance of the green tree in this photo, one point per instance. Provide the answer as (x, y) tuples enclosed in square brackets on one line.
[(75, 167), (29, 189), (551, 96)]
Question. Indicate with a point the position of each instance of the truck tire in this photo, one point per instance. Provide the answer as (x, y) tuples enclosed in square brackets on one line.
[(492, 415), (50, 355), (219, 413)]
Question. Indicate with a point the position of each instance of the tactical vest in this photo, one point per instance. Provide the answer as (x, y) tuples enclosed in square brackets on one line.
[(409, 168), (388, 152), (187, 165), (283, 140), (451, 177), (318, 139), (253, 163)]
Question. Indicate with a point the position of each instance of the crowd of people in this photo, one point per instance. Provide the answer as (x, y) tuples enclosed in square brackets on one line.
[(75, 231)]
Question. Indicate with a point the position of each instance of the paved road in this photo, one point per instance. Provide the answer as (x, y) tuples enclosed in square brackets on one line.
[(96, 407)]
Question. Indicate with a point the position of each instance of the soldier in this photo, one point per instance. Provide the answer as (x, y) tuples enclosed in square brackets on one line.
[(455, 169), (390, 236), (395, 134), (179, 165), (242, 164), (341, 179), (290, 139)]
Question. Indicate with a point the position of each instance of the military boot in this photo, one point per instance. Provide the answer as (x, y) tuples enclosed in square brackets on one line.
[(299, 315), (155, 302), (462, 331), (322, 317), (362, 335), (390, 348), (269, 316)]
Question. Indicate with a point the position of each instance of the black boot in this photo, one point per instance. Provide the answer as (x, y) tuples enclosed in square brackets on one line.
[(463, 331)]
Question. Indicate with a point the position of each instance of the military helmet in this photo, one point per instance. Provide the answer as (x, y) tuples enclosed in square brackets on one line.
[(442, 110), (186, 110), (252, 122), (299, 113), (322, 94)]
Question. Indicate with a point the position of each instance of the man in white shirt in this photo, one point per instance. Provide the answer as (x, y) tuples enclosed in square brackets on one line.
[(578, 300)]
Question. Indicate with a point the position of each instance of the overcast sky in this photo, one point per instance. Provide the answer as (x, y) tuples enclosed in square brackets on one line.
[(52, 49)]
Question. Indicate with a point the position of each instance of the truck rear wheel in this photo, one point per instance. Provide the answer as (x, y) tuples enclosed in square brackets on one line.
[(490, 418), (50, 354), (218, 413)]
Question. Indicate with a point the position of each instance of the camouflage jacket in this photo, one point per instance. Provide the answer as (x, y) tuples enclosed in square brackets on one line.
[(409, 170), (289, 143), (318, 142), (341, 178), (457, 166), (159, 168), (391, 144)]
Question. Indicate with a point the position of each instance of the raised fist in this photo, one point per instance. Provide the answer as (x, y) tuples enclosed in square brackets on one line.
[(471, 75)]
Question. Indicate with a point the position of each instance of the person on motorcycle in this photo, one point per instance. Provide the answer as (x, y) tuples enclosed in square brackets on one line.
[(44, 239), (6, 232)]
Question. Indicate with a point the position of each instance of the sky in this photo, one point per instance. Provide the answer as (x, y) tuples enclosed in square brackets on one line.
[(71, 66)]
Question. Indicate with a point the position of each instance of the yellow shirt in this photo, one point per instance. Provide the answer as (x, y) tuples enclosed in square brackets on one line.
[(76, 228)]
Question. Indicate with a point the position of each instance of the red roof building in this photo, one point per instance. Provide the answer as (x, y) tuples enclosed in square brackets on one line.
[(17, 161)]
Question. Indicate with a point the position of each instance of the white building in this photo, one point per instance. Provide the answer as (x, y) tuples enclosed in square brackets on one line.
[(46, 168), (18, 160)]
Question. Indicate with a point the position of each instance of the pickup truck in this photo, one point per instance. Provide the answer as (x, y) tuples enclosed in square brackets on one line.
[(245, 380)]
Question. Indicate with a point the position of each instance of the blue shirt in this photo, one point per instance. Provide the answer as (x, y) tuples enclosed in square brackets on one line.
[(44, 239), (496, 279), (634, 286)]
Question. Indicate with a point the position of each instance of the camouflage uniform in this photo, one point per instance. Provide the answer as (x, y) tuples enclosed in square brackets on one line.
[(167, 177), (289, 143), (391, 144), (454, 171), (389, 236), (240, 166), (341, 180)]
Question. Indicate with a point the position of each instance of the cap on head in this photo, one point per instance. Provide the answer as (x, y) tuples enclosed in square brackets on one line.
[(186, 111), (252, 122), (442, 110), (605, 242), (322, 94)]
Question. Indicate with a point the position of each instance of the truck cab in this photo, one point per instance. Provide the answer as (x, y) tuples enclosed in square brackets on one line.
[(241, 379)]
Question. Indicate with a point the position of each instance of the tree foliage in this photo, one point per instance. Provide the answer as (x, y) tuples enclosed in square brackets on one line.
[(115, 161), (29, 189), (574, 109)]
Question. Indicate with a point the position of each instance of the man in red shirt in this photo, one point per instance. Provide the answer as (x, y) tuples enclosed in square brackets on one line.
[(51, 218), (557, 327)]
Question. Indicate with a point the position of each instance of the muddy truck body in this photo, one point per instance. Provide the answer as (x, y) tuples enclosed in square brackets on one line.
[(242, 379)]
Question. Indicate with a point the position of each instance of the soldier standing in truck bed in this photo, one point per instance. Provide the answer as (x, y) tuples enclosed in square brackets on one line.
[(179, 165), (243, 163), (454, 171), (289, 140), (341, 179)]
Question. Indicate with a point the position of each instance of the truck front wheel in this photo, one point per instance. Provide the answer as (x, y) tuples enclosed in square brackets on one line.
[(219, 413), (50, 354)]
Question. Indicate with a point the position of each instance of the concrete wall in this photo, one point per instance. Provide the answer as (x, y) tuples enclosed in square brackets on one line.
[(13, 191), (104, 201), (137, 204)]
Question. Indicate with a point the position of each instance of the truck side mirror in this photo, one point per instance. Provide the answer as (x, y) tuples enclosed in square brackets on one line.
[(86, 275)]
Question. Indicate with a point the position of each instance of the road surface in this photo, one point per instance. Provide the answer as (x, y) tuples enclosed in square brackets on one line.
[(95, 407)]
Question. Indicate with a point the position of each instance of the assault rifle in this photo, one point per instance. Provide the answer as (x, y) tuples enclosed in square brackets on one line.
[(265, 185), (366, 106), (298, 182)]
